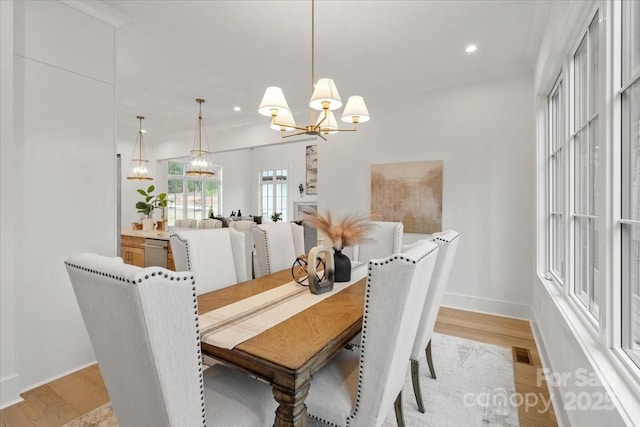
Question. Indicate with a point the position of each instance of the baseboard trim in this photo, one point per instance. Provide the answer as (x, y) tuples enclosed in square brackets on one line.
[(487, 305), (57, 377), (10, 391), (554, 391)]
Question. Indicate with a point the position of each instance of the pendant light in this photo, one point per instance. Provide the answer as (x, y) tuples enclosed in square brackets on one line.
[(138, 169), (200, 163), (324, 98)]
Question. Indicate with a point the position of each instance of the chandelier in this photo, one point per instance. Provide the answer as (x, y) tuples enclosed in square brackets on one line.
[(200, 163), (138, 169), (324, 98)]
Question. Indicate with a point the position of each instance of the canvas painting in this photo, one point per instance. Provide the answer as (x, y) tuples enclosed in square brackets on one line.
[(409, 192), (312, 170)]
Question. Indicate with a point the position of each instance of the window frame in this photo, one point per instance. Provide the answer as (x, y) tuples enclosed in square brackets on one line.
[(625, 222), (556, 180), (575, 216), (284, 198), (216, 179)]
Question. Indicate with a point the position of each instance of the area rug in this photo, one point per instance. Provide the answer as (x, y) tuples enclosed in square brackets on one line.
[(475, 387)]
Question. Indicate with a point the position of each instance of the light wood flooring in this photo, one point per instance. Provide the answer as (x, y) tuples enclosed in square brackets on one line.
[(65, 399)]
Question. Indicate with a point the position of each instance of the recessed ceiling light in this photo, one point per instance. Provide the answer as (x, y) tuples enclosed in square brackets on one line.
[(237, 108), (471, 48)]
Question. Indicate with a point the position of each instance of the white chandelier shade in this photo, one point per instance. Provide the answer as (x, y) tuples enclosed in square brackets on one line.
[(355, 110), (274, 102), (325, 91)]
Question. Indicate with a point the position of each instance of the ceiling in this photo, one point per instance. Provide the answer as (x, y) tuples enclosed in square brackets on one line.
[(228, 52)]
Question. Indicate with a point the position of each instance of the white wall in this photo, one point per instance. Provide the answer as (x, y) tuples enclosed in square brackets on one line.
[(11, 214), (63, 183), (484, 133)]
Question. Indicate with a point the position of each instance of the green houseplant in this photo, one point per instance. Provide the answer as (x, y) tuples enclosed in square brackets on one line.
[(150, 202), (276, 216), (146, 207)]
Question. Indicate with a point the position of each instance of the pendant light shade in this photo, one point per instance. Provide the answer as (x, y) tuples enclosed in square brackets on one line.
[(328, 125), (285, 123), (200, 162), (274, 103), (355, 111), (139, 167), (325, 91)]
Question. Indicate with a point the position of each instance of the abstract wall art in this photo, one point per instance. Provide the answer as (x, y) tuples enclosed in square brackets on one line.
[(312, 170), (408, 192)]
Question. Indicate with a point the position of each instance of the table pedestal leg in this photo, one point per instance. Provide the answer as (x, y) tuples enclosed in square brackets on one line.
[(292, 411)]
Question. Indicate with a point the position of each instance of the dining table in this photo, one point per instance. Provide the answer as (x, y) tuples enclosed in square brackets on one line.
[(288, 354)]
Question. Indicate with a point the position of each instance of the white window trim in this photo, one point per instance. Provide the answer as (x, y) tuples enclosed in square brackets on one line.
[(619, 375)]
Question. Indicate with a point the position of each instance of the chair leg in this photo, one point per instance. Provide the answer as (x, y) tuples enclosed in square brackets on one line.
[(415, 379), (430, 361), (398, 408)]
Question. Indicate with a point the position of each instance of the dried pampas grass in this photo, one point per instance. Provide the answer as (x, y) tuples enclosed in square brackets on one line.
[(343, 232)]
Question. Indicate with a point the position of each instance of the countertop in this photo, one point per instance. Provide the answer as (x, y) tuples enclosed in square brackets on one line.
[(158, 235)]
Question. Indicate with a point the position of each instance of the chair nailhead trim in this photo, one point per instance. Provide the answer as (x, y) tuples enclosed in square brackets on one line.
[(171, 275), (363, 335), (264, 235)]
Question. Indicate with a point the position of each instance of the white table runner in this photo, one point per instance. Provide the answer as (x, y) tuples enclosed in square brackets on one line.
[(232, 324)]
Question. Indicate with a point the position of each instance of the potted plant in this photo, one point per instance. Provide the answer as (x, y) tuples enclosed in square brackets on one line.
[(147, 206), (161, 201), (276, 216)]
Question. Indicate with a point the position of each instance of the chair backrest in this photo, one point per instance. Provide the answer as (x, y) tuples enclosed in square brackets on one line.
[(383, 239), (215, 256), (145, 337), (245, 226), (242, 225), (186, 223), (209, 223), (448, 243), (277, 246), (395, 294)]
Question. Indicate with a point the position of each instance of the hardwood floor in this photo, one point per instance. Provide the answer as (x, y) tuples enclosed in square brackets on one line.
[(65, 399), (506, 332)]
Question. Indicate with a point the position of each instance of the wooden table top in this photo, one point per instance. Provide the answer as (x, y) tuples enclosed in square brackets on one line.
[(338, 317)]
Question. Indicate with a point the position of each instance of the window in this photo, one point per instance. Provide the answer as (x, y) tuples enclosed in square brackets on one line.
[(273, 193), (630, 185), (556, 183), (586, 146), (191, 197)]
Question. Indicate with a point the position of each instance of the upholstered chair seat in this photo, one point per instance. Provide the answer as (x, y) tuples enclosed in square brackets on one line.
[(277, 246), (448, 244), (360, 388), (216, 256), (143, 326)]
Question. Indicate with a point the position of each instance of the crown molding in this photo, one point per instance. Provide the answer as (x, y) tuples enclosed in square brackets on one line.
[(99, 10)]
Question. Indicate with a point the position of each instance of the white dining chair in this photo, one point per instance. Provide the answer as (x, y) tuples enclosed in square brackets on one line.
[(186, 223), (209, 223), (216, 256), (245, 226), (448, 243), (359, 388), (383, 239), (277, 246), (143, 325)]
